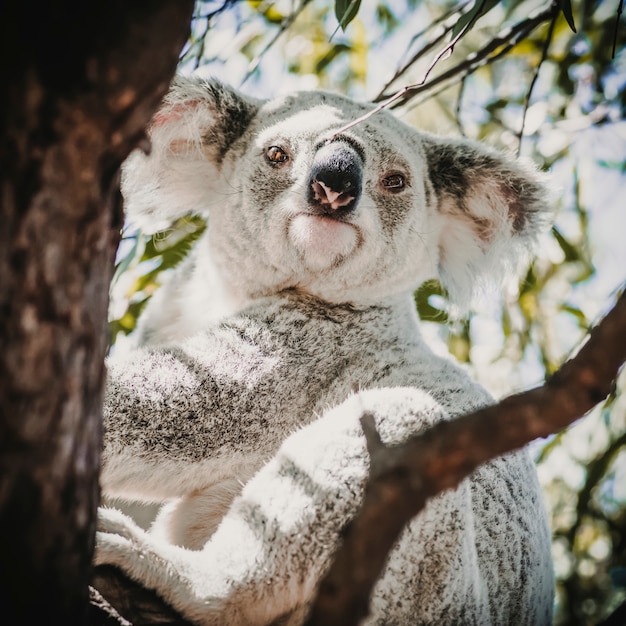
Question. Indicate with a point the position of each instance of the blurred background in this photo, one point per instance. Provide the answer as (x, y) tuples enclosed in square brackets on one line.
[(545, 81)]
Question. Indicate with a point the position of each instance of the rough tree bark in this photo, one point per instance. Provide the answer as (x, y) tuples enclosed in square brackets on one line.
[(80, 82)]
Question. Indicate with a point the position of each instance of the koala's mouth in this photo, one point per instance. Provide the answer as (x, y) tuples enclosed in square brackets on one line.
[(332, 217), (322, 240)]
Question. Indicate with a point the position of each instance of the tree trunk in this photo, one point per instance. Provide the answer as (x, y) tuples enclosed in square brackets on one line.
[(80, 82)]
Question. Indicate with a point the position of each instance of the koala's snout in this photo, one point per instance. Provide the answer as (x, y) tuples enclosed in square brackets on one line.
[(336, 179)]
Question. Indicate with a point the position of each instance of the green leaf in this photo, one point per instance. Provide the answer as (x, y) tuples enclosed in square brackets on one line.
[(529, 283), (478, 10), (172, 245), (273, 15), (346, 11), (569, 250), (582, 320), (128, 322), (620, 166), (459, 342), (154, 255), (425, 309), (566, 7), (330, 56), (385, 16), (124, 263)]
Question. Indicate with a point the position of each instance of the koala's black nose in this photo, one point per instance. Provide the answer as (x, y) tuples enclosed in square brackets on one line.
[(335, 179)]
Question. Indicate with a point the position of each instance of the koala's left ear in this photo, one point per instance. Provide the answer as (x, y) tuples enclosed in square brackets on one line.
[(191, 134), (492, 208)]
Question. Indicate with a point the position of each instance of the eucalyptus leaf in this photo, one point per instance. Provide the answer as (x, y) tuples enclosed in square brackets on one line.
[(569, 250), (566, 7), (620, 166), (346, 11), (330, 56), (580, 317), (133, 252), (425, 308), (478, 10)]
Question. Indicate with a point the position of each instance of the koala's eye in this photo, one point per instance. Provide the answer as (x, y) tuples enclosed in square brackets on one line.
[(276, 155), (393, 182)]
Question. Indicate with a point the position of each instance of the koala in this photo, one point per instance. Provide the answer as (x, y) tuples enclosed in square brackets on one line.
[(293, 316)]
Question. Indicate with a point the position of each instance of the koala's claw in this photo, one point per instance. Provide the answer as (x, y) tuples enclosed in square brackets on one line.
[(111, 549), (117, 537), (120, 542), (114, 521)]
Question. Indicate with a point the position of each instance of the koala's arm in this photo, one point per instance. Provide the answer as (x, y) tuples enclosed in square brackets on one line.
[(175, 418), (268, 555)]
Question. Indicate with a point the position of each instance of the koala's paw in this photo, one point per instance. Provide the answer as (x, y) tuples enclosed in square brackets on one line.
[(117, 537), (114, 521)]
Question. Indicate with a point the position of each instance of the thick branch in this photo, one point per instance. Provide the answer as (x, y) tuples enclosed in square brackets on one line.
[(403, 478), (133, 603)]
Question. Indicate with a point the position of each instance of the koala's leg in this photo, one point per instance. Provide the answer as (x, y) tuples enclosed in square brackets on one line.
[(271, 549), (190, 521)]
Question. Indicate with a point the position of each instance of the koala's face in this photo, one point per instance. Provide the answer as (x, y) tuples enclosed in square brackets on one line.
[(343, 217), (351, 216)]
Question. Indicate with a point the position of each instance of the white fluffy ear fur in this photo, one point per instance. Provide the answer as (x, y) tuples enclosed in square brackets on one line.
[(492, 208), (191, 134)]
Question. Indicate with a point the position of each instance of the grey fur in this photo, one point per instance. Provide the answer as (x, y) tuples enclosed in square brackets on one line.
[(252, 351)]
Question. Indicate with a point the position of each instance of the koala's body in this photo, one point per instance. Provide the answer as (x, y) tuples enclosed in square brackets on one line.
[(300, 292)]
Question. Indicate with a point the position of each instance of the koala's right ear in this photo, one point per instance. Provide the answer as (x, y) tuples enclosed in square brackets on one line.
[(492, 209), (191, 133)]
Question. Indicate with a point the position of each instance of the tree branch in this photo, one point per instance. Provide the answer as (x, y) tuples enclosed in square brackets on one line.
[(404, 477), (425, 49), (531, 87), (510, 37), (134, 605)]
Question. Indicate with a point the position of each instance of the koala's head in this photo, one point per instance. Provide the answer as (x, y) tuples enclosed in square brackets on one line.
[(352, 216)]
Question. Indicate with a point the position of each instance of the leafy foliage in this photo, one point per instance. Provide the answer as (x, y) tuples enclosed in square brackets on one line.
[(143, 264), (541, 81)]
